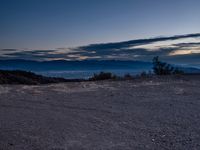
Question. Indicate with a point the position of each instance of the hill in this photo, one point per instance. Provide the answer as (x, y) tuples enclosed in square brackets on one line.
[(23, 77)]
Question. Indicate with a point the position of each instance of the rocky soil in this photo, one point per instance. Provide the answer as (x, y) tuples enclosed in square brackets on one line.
[(160, 113)]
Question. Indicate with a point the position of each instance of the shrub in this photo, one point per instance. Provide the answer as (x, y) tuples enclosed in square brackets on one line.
[(162, 68), (103, 76), (128, 76), (144, 74)]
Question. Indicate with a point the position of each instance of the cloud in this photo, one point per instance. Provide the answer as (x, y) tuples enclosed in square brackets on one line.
[(145, 49), (178, 49), (167, 44)]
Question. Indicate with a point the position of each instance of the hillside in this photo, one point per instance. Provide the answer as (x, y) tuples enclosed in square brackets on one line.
[(23, 77)]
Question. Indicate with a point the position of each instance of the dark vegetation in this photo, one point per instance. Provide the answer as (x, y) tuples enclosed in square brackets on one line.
[(23, 77), (162, 68), (159, 68), (103, 76)]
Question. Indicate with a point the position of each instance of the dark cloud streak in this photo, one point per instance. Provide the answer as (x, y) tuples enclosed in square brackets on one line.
[(118, 51)]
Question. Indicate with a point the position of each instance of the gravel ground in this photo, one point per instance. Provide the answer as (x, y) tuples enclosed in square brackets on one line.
[(142, 114)]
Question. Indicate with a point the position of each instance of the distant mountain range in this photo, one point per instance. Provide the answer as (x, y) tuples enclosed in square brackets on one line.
[(62, 65), (81, 69)]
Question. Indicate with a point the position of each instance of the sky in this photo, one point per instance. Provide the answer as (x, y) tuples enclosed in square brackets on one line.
[(50, 24), (66, 25)]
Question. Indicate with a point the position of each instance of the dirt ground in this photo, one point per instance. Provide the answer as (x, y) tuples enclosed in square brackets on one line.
[(141, 114)]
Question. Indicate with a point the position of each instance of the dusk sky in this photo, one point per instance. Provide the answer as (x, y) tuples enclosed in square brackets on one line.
[(61, 24), (49, 24)]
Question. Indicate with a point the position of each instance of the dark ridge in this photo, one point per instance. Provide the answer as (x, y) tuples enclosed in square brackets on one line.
[(29, 78)]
